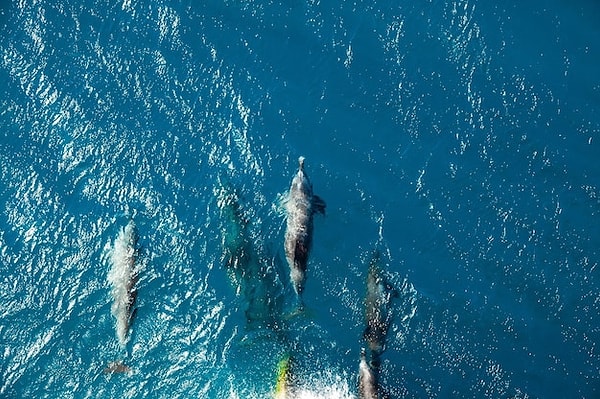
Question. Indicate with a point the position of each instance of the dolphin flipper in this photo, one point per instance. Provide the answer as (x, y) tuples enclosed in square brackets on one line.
[(318, 204)]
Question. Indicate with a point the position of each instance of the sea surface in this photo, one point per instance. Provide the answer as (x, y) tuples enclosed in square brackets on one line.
[(461, 139)]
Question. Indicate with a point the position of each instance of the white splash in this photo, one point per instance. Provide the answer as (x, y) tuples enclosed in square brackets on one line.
[(324, 384), (122, 277), (329, 392)]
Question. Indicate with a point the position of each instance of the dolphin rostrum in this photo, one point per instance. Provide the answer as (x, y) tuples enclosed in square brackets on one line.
[(367, 379)]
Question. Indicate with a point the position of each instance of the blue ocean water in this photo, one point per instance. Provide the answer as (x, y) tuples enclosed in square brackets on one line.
[(461, 137)]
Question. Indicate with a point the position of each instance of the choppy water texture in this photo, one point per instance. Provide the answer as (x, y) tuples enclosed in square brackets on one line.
[(462, 137)]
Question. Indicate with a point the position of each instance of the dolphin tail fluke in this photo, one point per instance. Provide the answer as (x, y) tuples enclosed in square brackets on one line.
[(298, 309), (299, 304)]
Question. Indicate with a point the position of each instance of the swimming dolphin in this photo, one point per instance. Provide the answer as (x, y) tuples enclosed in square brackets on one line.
[(247, 270), (236, 245), (377, 309), (300, 206), (123, 277), (116, 368), (367, 379)]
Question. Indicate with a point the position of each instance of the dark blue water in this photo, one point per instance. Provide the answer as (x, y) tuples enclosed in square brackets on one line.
[(461, 137)]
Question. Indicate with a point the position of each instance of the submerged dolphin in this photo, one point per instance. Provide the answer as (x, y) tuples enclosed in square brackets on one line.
[(300, 206), (377, 309), (367, 379), (247, 271), (123, 277), (377, 319), (116, 368), (237, 251)]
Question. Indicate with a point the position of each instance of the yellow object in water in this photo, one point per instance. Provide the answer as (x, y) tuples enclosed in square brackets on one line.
[(283, 371)]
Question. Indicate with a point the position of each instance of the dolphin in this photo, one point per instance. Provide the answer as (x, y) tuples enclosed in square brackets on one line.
[(123, 277), (237, 251), (367, 379), (300, 206), (250, 276), (117, 368), (377, 309)]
